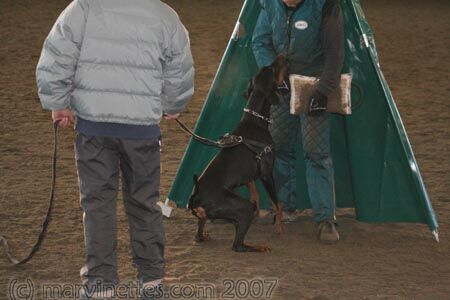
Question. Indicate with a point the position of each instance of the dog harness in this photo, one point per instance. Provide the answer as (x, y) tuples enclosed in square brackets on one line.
[(231, 140)]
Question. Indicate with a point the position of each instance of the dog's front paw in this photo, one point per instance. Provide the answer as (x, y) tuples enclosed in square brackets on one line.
[(206, 237), (279, 228), (248, 248), (202, 237)]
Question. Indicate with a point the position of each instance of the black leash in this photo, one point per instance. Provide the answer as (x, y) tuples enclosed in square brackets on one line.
[(229, 140), (41, 237)]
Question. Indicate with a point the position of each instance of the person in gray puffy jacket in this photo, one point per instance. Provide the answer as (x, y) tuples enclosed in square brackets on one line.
[(115, 67)]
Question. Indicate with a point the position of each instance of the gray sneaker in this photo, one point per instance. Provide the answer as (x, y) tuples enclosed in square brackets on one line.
[(94, 294), (265, 217), (269, 217), (327, 232), (290, 216)]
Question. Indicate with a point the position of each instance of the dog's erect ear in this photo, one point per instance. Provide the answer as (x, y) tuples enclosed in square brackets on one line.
[(249, 90), (276, 68), (264, 80), (269, 86)]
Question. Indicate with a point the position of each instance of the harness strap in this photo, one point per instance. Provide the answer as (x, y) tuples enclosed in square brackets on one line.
[(266, 149), (256, 147)]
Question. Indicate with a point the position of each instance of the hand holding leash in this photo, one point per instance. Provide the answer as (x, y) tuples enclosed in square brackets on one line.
[(171, 116), (64, 117)]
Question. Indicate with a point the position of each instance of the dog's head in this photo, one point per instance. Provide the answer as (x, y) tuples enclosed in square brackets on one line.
[(267, 80), (280, 68)]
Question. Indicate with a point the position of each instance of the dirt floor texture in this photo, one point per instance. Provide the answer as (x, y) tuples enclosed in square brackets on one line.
[(383, 261)]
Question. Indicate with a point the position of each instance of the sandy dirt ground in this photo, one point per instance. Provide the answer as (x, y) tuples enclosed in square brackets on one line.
[(387, 261)]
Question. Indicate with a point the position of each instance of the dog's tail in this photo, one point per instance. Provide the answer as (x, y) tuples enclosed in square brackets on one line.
[(194, 192)]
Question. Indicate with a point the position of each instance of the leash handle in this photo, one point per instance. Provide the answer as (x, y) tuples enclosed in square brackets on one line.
[(37, 245)]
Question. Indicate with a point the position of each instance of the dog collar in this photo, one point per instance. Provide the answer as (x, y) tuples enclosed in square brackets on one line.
[(254, 113)]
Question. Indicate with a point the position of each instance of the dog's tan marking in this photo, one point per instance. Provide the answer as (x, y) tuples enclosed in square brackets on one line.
[(206, 236), (261, 248), (282, 75), (200, 212), (278, 215)]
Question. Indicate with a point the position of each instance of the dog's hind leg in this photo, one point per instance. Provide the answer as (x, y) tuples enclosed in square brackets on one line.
[(269, 184), (242, 215), (201, 235), (254, 195)]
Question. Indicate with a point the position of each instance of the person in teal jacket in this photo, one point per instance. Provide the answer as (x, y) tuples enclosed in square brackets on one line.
[(310, 33)]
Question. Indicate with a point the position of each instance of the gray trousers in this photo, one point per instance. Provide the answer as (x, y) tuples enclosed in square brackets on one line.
[(99, 162)]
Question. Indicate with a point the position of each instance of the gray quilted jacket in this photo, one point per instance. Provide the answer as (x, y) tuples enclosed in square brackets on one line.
[(117, 61)]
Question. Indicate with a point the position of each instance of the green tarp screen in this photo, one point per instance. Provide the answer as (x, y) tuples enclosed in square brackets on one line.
[(375, 169)]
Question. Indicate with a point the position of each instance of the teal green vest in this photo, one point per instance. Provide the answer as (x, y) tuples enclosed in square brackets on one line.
[(298, 34)]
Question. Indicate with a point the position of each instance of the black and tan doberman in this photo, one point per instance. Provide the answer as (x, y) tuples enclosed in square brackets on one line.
[(214, 195)]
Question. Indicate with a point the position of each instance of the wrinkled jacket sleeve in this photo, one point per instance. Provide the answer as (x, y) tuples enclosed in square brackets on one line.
[(332, 40), (178, 72), (57, 64), (262, 41)]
